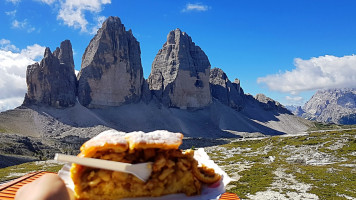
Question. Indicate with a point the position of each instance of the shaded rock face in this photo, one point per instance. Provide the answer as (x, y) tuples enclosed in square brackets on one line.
[(53, 81), (180, 73), (65, 54), (332, 105), (230, 94), (269, 104), (111, 73), (146, 92)]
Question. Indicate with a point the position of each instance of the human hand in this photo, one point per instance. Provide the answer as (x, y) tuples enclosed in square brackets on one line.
[(47, 187)]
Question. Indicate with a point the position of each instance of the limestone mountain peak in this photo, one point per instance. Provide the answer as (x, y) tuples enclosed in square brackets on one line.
[(47, 52), (112, 20), (180, 73), (65, 53), (52, 82), (111, 72), (332, 105)]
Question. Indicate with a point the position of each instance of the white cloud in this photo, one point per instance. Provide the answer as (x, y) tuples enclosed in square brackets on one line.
[(13, 74), (195, 7), (7, 46), (13, 1), (99, 21), (13, 65), (11, 13), (294, 100), (316, 73), (34, 52), (49, 2), (10, 103), (23, 25), (17, 24), (72, 12)]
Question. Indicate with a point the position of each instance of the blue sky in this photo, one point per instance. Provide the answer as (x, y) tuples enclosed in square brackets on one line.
[(285, 49)]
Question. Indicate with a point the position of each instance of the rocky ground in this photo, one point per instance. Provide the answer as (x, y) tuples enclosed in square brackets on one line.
[(318, 165)]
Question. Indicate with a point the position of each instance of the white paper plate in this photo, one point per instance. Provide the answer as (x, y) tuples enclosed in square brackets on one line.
[(208, 192)]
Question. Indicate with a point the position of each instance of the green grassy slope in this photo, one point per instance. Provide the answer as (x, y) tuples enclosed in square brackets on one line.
[(323, 162)]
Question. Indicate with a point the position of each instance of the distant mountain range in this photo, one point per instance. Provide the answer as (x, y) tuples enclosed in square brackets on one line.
[(330, 106)]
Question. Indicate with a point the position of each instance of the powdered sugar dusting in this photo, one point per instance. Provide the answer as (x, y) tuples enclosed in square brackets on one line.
[(156, 137), (107, 137)]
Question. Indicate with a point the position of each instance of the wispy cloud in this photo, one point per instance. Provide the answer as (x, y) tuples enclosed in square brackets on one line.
[(189, 7), (23, 25), (72, 12), (294, 100), (99, 21), (7, 46), (49, 2), (13, 1), (18, 24), (11, 13), (316, 73), (33, 52), (13, 64)]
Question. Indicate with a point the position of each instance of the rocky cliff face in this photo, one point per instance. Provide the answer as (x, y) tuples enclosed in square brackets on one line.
[(53, 81), (111, 73), (269, 104), (332, 105), (180, 73), (230, 94), (65, 54)]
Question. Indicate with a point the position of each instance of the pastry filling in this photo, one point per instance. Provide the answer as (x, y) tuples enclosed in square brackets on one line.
[(172, 171)]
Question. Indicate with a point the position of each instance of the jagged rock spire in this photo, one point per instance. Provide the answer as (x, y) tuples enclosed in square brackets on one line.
[(230, 94), (111, 73), (53, 81), (180, 73), (65, 53)]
